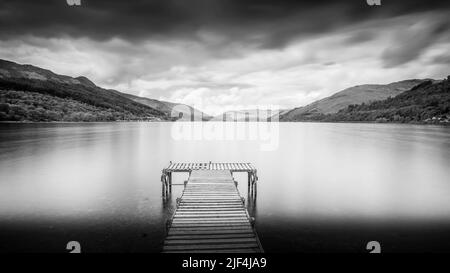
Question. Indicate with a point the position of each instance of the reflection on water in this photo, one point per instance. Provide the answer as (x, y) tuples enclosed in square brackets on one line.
[(325, 187)]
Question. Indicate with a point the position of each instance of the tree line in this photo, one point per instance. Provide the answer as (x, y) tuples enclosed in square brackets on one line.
[(34, 106)]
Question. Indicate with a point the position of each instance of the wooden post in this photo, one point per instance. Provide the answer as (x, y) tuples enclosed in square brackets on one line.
[(248, 182), (169, 176), (163, 187), (254, 191)]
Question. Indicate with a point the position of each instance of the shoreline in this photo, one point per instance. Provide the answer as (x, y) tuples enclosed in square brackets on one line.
[(156, 121)]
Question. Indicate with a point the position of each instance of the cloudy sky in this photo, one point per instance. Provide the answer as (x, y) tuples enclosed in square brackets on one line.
[(230, 54)]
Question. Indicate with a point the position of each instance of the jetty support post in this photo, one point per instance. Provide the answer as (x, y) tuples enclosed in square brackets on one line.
[(249, 182), (169, 180), (252, 179), (166, 183)]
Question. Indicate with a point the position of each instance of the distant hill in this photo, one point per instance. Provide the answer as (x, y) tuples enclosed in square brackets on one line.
[(167, 108), (353, 95), (428, 102), (248, 115), (30, 93)]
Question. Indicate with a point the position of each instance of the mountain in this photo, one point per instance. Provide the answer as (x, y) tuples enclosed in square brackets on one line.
[(85, 81), (353, 95), (31, 93), (428, 102), (167, 108)]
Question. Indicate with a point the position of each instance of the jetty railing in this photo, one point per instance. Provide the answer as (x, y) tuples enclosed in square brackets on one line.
[(166, 176)]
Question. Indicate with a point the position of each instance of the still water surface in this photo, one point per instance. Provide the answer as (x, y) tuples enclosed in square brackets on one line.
[(325, 187)]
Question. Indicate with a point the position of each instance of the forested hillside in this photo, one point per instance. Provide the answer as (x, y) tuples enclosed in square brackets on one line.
[(428, 102), (26, 88)]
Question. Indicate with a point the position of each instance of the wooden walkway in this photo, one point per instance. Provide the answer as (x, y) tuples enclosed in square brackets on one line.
[(211, 217)]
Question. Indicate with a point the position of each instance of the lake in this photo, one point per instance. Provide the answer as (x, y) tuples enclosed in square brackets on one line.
[(322, 186)]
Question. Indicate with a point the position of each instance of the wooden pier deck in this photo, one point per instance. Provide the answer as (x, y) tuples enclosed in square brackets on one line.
[(211, 217)]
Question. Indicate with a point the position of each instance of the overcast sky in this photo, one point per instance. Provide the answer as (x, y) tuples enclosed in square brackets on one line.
[(230, 54)]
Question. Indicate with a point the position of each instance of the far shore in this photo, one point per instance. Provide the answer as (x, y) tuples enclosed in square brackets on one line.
[(445, 124)]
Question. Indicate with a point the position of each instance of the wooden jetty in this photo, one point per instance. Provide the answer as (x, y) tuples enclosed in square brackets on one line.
[(211, 215)]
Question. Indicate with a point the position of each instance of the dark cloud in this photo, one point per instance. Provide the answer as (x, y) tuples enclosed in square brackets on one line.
[(329, 63), (411, 44), (361, 37), (266, 23), (441, 59)]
